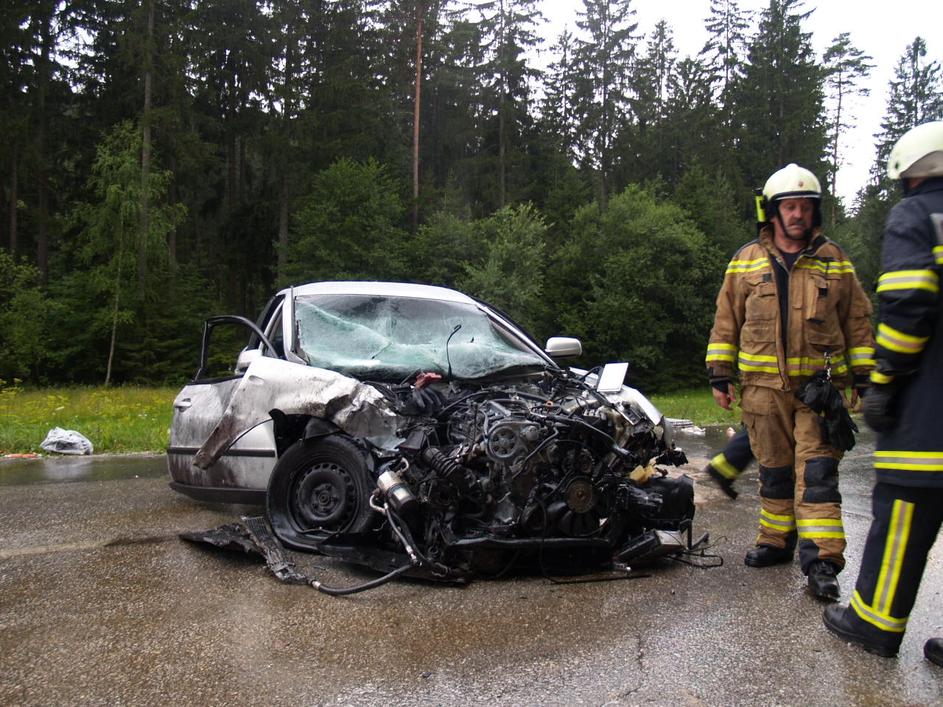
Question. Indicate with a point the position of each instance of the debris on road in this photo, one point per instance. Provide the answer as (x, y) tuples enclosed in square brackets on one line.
[(66, 442)]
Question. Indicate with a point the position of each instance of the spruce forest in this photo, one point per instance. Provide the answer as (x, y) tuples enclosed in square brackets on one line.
[(166, 160)]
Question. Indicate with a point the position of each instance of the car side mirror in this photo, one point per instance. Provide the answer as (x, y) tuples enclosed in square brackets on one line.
[(563, 347), (246, 356)]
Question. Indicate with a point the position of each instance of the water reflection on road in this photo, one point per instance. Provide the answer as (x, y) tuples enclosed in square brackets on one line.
[(100, 467)]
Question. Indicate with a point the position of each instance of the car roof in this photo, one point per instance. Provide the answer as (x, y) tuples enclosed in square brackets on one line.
[(386, 289)]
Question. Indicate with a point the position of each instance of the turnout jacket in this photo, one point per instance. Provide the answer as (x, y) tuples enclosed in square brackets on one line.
[(779, 339), (909, 342)]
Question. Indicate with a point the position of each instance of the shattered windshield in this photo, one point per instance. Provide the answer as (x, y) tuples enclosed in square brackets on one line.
[(371, 336)]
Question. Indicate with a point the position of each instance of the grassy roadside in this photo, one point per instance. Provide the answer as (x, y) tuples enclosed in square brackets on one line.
[(115, 419), (136, 419), (697, 405)]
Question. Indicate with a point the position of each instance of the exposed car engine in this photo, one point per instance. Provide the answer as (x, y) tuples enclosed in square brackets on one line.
[(551, 472)]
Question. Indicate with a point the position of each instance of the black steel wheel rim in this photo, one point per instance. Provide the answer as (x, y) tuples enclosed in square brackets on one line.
[(324, 497)]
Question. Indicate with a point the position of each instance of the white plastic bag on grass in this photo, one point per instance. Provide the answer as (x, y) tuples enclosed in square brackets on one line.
[(66, 442)]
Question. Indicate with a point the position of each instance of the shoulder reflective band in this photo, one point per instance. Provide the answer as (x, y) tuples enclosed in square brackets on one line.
[(833, 267), (739, 267)]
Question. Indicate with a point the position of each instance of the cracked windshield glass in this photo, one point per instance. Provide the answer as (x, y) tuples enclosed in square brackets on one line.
[(392, 338)]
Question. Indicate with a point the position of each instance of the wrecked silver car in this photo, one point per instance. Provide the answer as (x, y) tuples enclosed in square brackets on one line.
[(409, 427)]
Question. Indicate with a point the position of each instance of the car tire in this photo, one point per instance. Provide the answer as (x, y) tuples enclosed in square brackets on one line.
[(319, 488)]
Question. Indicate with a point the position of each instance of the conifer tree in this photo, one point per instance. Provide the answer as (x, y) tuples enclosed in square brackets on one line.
[(606, 54), (845, 69), (915, 95), (508, 32), (557, 109), (726, 26), (778, 102)]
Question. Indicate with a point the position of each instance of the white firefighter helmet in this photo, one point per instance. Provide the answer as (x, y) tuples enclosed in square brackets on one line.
[(792, 182), (918, 153)]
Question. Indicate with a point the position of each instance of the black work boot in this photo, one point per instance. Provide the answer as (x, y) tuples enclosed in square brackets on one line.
[(841, 621), (933, 651), (823, 581), (723, 483), (767, 556)]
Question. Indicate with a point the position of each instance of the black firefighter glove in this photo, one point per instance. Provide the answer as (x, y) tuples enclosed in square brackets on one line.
[(880, 407), (838, 429)]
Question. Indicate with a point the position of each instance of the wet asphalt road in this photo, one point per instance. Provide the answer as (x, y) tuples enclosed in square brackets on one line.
[(100, 603)]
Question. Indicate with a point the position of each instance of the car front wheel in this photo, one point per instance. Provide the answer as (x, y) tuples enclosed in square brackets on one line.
[(319, 488)]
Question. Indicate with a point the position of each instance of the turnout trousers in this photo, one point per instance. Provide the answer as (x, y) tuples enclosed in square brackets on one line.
[(905, 524), (735, 456), (799, 495)]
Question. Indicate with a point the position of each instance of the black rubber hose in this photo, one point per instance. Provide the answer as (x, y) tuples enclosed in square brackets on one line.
[(344, 591)]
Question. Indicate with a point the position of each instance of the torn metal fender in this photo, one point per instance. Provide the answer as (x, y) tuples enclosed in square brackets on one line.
[(358, 409)]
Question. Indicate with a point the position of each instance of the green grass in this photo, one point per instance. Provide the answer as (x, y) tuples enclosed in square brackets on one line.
[(115, 419), (696, 405), (136, 419)]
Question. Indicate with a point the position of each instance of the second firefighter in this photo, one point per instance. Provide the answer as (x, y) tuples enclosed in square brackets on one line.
[(791, 307)]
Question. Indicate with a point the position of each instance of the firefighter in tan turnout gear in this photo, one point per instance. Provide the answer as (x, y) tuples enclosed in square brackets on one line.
[(791, 307), (904, 406)]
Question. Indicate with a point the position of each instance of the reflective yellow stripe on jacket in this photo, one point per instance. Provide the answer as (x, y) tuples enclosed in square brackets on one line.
[(808, 365), (795, 365), (909, 280), (758, 363), (721, 352), (833, 267), (908, 461), (739, 267), (881, 378), (861, 356), (898, 341)]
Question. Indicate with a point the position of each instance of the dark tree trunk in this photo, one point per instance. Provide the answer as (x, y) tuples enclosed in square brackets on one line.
[(420, 11), (14, 198), (146, 152), (283, 225), (42, 233)]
